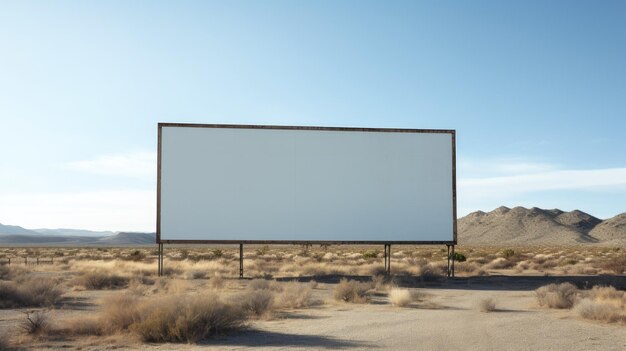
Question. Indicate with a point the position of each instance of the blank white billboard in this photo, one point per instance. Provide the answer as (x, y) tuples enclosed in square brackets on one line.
[(266, 184)]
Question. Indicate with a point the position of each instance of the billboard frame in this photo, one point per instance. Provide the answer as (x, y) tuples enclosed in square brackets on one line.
[(449, 243)]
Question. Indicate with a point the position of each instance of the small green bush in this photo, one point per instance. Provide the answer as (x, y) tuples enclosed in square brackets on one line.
[(371, 254), (458, 256), (506, 253)]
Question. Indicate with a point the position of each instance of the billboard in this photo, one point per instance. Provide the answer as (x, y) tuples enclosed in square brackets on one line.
[(280, 184)]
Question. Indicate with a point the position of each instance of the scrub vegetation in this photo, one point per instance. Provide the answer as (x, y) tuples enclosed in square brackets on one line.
[(89, 295)]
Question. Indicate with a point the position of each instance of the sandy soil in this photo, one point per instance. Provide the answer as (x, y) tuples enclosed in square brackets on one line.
[(447, 319)]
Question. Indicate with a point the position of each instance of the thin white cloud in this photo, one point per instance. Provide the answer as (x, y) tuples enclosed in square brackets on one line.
[(138, 164), (502, 166), (491, 192), (121, 210)]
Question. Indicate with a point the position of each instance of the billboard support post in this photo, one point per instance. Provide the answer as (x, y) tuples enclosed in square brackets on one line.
[(387, 259), (240, 261)]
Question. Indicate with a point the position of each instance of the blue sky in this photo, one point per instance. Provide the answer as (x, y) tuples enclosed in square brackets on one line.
[(535, 89)]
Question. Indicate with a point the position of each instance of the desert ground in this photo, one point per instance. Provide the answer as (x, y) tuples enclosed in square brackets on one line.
[(313, 297)]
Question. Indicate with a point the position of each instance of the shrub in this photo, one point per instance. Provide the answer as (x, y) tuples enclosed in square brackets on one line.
[(136, 255), (295, 295), (557, 295), (400, 297), (370, 254), (217, 253), (599, 311), (500, 263), (9, 295), (431, 273), (351, 291), (5, 272), (506, 253), (187, 319), (36, 322), (80, 326), (32, 292), (458, 256), (257, 303), (120, 312), (487, 305), (4, 341), (616, 265), (216, 281), (100, 280)]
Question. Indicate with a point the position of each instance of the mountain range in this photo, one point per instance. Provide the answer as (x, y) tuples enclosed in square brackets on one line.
[(502, 226), (11, 235), (536, 226)]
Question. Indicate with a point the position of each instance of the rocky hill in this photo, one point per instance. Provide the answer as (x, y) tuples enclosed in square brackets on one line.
[(535, 226)]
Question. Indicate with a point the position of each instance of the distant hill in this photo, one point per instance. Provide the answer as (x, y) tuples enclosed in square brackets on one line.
[(73, 232), (611, 231), (11, 235), (535, 226), (15, 230)]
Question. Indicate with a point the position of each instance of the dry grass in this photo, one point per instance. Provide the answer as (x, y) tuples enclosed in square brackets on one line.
[(616, 265), (257, 303), (32, 292), (101, 279), (487, 304), (295, 295), (188, 319), (400, 297), (119, 312), (351, 291), (4, 341), (600, 311), (35, 322), (603, 303), (557, 295)]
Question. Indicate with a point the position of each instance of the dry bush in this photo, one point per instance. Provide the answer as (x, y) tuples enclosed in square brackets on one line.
[(400, 297), (9, 295), (615, 265), (557, 295), (35, 323), (487, 304), (466, 267), (351, 291), (431, 272), (195, 274), (5, 272), (295, 295), (606, 293), (257, 303), (4, 341), (600, 311), (380, 282), (500, 263), (119, 312), (101, 279), (216, 282), (82, 326), (187, 319), (33, 292)]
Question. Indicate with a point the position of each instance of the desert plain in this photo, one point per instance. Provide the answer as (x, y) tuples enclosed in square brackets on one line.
[(313, 297)]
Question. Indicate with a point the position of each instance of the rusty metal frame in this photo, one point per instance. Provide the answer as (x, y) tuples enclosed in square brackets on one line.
[(299, 242)]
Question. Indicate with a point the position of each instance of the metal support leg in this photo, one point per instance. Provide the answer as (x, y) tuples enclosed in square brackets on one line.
[(159, 260), (452, 261), (448, 258), (387, 258), (240, 261)]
